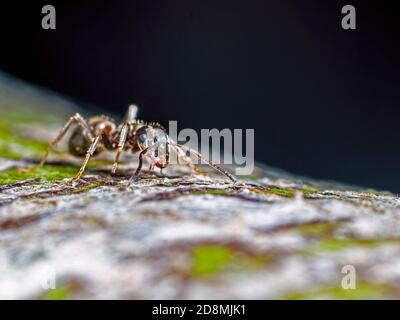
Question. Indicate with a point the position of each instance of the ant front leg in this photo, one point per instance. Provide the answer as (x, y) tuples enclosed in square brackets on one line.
[(75, 118), (167, 157), (142, 154)]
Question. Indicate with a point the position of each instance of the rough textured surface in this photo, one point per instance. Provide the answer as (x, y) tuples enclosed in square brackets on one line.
[(180, 235)]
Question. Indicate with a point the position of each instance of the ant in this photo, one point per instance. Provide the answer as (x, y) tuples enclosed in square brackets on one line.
[(100, 133)]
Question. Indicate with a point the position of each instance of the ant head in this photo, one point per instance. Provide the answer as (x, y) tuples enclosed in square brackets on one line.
[(154, 138)]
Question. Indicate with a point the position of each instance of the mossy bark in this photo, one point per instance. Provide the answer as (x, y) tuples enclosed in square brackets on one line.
[(178, 235)]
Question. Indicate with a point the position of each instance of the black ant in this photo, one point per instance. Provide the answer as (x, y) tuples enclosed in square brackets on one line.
[(100, 133)]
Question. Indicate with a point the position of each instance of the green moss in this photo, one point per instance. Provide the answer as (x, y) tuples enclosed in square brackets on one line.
[(309, 191), (326, 242), (283, 192), (61, 293), (212, 259), (29, 115), (333, 244), (212, 191), (13, 146), (318, 229), (48, 173), (100, 162), (86, 187), (363, 290)]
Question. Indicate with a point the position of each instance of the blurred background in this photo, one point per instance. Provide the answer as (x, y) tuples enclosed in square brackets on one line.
[(324, 102)]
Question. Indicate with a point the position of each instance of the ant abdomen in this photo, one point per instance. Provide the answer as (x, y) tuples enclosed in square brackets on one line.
[(79, 143)]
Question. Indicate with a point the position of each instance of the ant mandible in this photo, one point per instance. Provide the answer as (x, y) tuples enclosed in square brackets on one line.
[(100, 133)]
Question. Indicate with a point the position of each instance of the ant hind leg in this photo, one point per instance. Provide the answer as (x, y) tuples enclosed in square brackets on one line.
[(75, 118)]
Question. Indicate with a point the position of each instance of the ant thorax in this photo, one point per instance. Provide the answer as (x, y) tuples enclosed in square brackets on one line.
[(101, 124)]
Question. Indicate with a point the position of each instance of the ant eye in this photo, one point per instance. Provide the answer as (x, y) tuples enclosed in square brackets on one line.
[(142, 135), (143, 138)]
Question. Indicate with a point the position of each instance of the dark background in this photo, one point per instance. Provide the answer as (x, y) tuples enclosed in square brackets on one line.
[(323, 101)]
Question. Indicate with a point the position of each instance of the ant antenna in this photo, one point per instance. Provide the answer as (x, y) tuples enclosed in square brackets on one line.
[(201, 157)]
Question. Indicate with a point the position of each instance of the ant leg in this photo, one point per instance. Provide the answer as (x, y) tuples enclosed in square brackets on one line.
[(89, 153), (168, 151), (200, 157), (140, 161), (131, 113), (182, 156), (122, 139), (75, 118), (143, 153)]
